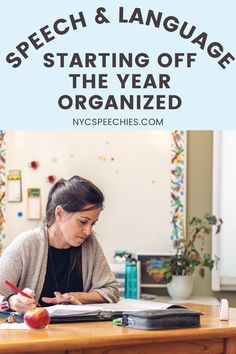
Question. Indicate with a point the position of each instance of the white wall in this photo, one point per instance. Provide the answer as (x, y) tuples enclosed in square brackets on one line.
[(132, 169), (224, 177)]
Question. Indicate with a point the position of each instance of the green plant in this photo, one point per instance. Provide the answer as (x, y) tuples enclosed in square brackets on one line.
[(190, 251)]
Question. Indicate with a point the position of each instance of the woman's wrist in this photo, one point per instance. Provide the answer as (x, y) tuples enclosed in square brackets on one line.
[(11, 302), (5, 302)]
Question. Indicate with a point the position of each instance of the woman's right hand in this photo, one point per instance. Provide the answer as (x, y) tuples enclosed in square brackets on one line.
[(20, 303)]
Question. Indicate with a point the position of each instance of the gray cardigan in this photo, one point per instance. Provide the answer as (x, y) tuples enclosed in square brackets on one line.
[(24, 263)]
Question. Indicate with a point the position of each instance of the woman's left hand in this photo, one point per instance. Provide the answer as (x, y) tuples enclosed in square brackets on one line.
[(60, 298)]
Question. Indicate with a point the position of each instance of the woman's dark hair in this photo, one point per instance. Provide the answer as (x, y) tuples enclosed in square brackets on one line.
[(74, 194)]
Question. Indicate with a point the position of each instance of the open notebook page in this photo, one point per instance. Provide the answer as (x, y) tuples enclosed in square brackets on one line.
[(121, 306)]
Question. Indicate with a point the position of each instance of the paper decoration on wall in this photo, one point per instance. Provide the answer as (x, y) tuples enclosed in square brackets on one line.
[(34, 165), (177, 184), (51, 178), (1, 218), (14, 189), (102, 158), (34, 203), (2, 195)]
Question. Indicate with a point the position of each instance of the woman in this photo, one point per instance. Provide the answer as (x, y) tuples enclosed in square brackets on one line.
[(63, 261)]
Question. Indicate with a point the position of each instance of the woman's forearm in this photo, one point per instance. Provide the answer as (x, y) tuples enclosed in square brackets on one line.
[(88, 297)]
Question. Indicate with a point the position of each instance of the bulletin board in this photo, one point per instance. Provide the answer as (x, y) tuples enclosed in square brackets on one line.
[(142, 175)]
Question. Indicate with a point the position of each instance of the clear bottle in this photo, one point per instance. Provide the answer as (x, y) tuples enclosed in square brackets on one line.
[(118, 269)]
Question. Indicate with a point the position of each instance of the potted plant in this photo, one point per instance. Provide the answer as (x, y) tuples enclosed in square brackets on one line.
[(189, 254)]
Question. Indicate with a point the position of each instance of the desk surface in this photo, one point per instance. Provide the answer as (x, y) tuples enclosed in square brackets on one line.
[(214, 336), (201, 300)]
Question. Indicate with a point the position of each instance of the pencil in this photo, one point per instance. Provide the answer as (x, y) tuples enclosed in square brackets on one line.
[(13, 287)]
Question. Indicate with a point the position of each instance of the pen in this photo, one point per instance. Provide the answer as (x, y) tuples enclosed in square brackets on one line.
[(13, 287)]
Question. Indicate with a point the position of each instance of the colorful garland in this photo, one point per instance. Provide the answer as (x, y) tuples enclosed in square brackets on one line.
[(2, 186), (177, 184)]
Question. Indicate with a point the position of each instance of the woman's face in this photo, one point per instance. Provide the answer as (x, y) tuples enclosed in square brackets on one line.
[(74, 228)]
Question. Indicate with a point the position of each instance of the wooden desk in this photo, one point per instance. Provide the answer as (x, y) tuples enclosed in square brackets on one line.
[(200, 300), (213, 337)]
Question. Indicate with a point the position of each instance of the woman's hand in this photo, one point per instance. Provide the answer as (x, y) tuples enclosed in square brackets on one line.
[(20, 303), (60, 298)]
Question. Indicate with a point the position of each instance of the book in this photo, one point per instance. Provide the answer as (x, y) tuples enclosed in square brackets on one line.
[(105, 311)]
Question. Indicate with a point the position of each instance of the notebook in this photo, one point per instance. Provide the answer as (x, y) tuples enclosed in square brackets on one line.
[(98, 312), (106, 311)]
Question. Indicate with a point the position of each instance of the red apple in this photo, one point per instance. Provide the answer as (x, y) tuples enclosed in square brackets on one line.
[(37, 318)]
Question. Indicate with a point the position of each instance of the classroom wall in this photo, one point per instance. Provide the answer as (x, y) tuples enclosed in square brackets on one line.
[(134, 170), (199, 198)]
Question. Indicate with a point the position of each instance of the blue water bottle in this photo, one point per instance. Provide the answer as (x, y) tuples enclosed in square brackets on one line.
[(131, 279)]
